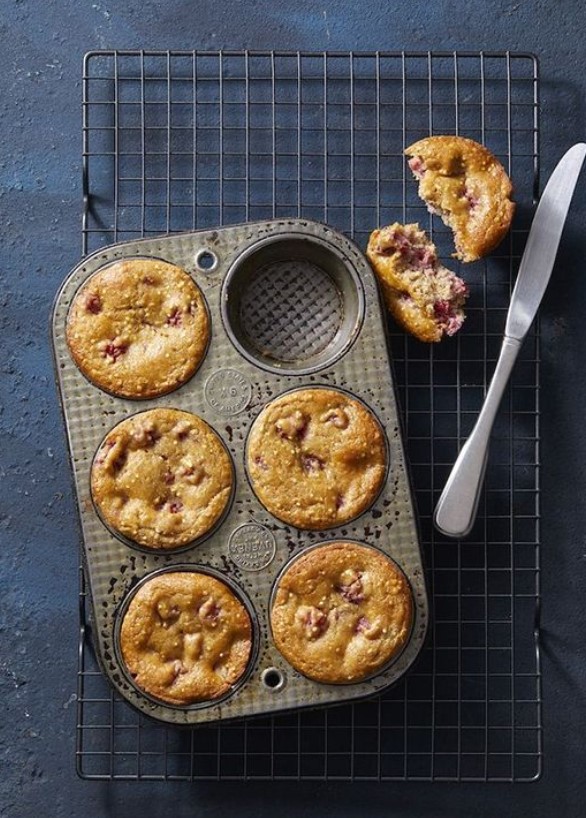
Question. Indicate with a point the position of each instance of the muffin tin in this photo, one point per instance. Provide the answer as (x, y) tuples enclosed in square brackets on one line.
[(293, 304)]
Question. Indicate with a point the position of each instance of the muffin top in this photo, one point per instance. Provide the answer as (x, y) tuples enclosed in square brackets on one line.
[(466, 185), (341, 611), (316, 458), (138, 328), (186, 637), (162, 478)]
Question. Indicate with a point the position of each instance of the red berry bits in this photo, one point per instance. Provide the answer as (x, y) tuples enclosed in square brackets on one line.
[(114, 351), (174, 319), (93, 303)]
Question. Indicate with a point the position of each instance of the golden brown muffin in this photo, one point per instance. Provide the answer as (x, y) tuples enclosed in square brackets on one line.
[(462, 182), (138, 328), (341, 612), (422, 295), (162, 478), (316, 458), (186, 637)]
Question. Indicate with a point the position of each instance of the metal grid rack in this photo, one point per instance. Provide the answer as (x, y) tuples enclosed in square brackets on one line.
[(180, 140)]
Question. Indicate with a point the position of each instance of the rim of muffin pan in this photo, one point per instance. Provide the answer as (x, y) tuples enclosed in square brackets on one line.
[(387, 446), (342, 541), (159, 550), (140, 257), (294, 246), (193, 568)]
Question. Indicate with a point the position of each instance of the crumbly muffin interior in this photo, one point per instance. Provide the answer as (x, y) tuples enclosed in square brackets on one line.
[(415, 279)]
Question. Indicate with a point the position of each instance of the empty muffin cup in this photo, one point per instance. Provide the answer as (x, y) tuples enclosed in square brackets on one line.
[(292, 304)]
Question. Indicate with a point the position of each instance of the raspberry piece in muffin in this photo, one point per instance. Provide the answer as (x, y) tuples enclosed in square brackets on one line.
[(463, 183), (422, 295), (341, 612)]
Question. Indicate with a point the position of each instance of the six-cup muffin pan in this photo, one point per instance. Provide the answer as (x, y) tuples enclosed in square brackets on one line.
[(293, 304)]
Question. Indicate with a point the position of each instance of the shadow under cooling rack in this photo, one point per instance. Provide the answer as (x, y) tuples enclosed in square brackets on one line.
[(181, 140)]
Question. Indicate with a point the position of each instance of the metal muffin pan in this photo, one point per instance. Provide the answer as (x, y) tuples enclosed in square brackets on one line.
[(293, 304)]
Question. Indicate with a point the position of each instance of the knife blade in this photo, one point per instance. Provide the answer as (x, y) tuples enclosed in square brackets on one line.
[(456, 509)]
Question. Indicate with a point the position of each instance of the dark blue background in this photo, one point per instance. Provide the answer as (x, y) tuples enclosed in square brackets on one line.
[(43, 42)]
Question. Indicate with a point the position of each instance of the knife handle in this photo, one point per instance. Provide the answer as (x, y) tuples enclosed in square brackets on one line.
[(456, 509)]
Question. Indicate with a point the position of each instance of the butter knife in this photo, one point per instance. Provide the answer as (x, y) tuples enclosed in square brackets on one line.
[(457, 506)]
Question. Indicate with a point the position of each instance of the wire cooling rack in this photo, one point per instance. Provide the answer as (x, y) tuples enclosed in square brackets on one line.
[(180, 140)]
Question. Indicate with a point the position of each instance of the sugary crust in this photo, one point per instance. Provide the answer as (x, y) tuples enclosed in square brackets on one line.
[(138, 328), (341, 612), (411, 294), (186, 637), (316, 458), (468, 187), (162, 478)]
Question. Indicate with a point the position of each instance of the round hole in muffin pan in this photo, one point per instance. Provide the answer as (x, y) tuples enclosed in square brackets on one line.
[(273, 679), (292, 304), (206, 260)]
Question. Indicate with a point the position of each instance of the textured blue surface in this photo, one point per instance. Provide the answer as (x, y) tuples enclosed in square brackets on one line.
[(40, 66)]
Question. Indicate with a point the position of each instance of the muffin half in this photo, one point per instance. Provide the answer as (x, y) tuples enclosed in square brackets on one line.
[(463, 183), (422, 295)]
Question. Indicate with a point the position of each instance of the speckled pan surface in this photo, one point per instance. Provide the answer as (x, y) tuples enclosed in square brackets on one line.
[(335, 325)]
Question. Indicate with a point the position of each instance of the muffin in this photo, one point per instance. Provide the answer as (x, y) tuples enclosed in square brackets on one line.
[(463, 183), (138, 328), (341, 612), (422, 295), (316, 458), (186, 637), (162, 478)]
